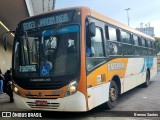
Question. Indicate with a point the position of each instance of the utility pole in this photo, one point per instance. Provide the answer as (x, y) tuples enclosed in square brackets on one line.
[(54, 2), (51, 4), (128, 18)]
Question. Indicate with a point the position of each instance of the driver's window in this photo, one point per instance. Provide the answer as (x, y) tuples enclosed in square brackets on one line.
[(94, 50), (96, 44)]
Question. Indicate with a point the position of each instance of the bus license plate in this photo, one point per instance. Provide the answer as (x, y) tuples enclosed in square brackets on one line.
[(41, 103)]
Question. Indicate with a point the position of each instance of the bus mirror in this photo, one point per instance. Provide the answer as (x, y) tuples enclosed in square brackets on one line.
[(4, 38), (92, 29)]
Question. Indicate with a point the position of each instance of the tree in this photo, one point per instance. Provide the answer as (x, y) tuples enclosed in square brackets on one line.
[(157, 44)]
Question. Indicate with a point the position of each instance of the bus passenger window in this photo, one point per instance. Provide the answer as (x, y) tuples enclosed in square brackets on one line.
[(135, 39), (126, 37), (114, 48), (143, 42), (112, 35), (149, 44), (96, 44), (146, 43)]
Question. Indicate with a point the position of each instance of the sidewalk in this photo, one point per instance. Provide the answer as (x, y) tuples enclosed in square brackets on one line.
[(4, 98), (5, 104)]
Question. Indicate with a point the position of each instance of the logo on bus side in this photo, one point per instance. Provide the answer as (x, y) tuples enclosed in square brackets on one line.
[(116, 66)]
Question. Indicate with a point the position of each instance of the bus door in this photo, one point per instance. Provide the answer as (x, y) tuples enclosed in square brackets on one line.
[(95, 66)]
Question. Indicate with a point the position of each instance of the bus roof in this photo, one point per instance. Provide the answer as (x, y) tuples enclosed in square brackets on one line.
[(102, 18), (118, 24)]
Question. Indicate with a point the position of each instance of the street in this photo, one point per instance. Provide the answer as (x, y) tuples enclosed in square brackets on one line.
[(137, 99)]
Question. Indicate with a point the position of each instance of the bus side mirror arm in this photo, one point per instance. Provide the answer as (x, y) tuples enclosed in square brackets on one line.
[(4, 39), (92, 29)]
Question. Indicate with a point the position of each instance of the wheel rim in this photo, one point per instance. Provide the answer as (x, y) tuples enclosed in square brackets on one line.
[(113, 94)]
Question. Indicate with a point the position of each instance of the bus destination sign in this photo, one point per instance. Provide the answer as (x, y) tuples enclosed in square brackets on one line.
[(46, 20)]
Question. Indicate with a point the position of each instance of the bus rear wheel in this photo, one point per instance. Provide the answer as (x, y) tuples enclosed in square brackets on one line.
[(147, 80), (113, 95)]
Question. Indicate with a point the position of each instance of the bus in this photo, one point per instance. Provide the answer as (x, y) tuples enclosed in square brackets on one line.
[(75, 59)]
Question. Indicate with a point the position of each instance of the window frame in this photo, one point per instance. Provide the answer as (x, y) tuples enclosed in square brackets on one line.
[(146, 42), (143, 42), (140, 41), (107, 33), (130, 37), (103, 44), (134, 40)]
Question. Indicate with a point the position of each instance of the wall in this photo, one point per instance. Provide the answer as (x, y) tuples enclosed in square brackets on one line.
[(5, 57)]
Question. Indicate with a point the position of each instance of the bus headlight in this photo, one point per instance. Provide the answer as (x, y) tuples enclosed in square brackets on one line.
[(15, 89), (72, 88)]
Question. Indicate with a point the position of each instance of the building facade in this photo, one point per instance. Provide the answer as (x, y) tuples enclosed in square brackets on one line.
[(147, 30), (5, 57)]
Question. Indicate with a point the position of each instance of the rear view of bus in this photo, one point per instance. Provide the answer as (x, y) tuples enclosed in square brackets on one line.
[(47, 67)]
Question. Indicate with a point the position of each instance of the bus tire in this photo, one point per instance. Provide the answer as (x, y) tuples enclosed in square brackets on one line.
[(147, 80), (113, 95)]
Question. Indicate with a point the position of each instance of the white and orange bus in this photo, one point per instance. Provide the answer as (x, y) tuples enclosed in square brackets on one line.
[(75, 59)]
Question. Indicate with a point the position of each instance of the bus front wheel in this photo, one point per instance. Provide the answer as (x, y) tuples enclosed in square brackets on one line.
[(113, 95)]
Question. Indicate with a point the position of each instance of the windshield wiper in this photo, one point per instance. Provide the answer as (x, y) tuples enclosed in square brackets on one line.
[(50, 39), (49, 43), (26, 38)]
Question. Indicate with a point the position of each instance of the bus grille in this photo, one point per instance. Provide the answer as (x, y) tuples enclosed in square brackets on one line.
[(49, 105)]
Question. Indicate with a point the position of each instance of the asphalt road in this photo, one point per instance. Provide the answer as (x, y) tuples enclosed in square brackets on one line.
[(138, 101)]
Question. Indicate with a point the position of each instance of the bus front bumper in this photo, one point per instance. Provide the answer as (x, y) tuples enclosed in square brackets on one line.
[(72, 103)]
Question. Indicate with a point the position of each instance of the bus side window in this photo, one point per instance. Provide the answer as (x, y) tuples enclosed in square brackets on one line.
[(96, 49), (113, 39), (88, 40), (150, 51), (154, 47), (112, 35), (135, 40), (143, 42), (146, 43), (96, 44), (126, 37), (128, 49), (144, 49), (150, 45)]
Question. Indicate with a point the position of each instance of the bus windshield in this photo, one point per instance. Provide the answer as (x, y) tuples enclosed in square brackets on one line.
[(48, 52)]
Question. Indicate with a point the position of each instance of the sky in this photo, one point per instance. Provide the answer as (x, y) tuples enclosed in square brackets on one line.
[(141, 11)]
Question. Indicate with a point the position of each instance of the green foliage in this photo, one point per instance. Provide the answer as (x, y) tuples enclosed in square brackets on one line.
[(157, 44)]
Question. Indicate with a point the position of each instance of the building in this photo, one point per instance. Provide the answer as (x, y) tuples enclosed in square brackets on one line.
[(147, 30), (11, 15)]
